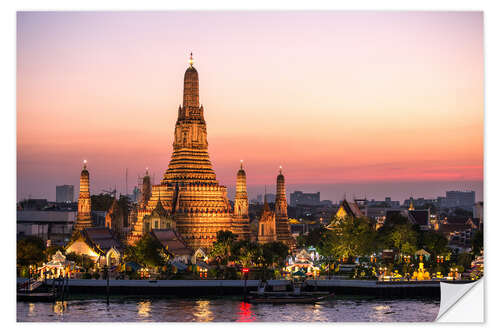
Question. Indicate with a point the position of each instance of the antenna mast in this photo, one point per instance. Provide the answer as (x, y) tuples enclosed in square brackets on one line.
[(126, 182)]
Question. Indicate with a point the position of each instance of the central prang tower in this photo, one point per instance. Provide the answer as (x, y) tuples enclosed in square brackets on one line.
[(189, 191), (190, 163)]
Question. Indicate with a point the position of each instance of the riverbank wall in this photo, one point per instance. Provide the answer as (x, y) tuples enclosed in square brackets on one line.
[(188, 288)]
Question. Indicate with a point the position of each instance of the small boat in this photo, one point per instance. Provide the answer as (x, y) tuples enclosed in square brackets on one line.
[(282, 297), (35, 297), (289, 298)]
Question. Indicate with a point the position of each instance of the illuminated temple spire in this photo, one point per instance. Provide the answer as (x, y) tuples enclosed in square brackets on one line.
[(267, 224), (241, 220), (241, 197), (84, 219), (145, 189), (190, 161), (282, 224)]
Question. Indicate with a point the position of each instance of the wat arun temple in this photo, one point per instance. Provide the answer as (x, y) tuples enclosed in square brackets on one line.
[(189, 199)]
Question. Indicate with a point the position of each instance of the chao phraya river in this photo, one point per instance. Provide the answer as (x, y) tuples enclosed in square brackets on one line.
[(227, 309)]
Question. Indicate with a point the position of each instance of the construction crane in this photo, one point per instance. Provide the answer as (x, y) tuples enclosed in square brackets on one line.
[(110, 191)]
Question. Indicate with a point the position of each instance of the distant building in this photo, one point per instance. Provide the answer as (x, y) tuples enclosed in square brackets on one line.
[(54, 227), (301, 198), (136, 194), (65, 193), (386, 203), (420, 217), (461, 199), (326, 203), (33, 204), (270, 197)]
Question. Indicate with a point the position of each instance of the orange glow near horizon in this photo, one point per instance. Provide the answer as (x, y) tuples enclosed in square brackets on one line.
[(397, 96)]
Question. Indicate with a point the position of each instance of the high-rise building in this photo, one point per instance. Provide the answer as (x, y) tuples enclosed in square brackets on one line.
[(270, 197), (301, 198), (260, 199), (84, 218), (65, 193), (461, 199)]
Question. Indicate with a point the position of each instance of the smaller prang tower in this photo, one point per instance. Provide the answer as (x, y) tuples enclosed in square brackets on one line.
[(145, 190), (282, 225), (267, 225), (115, 219), (84, 218), (241, 220)]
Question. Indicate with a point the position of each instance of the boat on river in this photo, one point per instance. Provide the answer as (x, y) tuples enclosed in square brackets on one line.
[(283, 297)]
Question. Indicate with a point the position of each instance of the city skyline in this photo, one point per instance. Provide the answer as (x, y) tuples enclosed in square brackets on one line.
[(330, 114)]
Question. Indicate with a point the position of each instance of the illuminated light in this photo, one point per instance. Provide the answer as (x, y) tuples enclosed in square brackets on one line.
[(191, 61), (245, 270)]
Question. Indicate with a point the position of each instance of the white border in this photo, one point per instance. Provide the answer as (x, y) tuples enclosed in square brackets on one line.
[(8, 168)]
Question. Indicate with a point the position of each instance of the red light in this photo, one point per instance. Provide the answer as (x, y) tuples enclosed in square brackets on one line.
[(246, 270)]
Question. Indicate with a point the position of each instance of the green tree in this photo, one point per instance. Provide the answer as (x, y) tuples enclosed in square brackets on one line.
[(353, 237), (51, 250), (465, 259), (148, 252), (221, 249), (313, 238), (434, 242), (274, 253), (246, 253), (101, 202), (30, 251), (404, 239), (80, 260), (477, 242)]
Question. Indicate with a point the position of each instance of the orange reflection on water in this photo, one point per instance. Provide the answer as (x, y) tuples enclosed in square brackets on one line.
[(202, 311), (144, 309), (59, 307), (246, 314), (31, 308)]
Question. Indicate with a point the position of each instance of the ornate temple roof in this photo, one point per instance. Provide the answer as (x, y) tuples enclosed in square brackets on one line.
[(172, 241), (159, 210)]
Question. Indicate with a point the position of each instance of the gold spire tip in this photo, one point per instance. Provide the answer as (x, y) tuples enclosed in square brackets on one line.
[(191, 61)]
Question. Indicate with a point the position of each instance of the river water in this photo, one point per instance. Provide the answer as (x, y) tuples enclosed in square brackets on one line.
[(227, 309)]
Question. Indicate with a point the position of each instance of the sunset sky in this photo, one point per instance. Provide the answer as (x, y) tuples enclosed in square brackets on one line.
[(365, 103)]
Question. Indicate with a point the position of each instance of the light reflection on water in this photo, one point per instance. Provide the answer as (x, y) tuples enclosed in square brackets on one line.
[(202, 311), (225, 309), (144, 309)]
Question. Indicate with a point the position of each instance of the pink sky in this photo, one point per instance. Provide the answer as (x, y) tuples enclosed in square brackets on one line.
[(334, 97)]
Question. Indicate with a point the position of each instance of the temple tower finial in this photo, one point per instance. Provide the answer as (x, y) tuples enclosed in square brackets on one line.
[(191, 61)]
